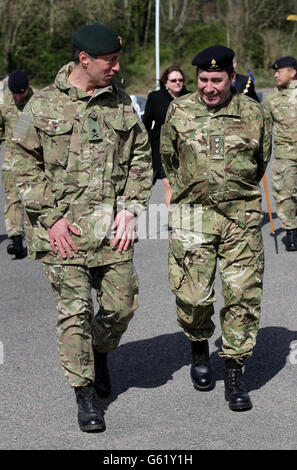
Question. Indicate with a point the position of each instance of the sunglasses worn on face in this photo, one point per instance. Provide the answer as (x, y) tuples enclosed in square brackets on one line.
[(174, 80)]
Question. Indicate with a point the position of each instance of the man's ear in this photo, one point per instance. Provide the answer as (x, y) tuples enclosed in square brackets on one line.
[(293, 74), (84, 58)]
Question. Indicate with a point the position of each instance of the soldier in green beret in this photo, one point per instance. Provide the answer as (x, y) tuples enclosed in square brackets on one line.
[(215, 150), (82, 167)]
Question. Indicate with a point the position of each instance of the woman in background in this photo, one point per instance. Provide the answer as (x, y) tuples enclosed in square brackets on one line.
[(172, 83)]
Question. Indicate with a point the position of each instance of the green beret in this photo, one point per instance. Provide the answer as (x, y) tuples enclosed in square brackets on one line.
[(96, 39)]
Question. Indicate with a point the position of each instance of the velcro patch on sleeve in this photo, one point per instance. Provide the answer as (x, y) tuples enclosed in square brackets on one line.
[(23, 125)]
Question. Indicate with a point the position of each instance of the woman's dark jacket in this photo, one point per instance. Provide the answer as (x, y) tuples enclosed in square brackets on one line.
[(155, 110)]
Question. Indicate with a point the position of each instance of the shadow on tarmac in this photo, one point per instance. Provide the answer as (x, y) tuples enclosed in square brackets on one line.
[(3, 237), (266, 219), (270, 356), (152, 362)]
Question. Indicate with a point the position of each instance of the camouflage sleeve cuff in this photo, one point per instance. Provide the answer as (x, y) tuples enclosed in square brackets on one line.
[(48, 219), (135, 209)]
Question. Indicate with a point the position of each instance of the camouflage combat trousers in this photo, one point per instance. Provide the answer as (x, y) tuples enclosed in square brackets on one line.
[(192, 267), (14, 212), (78, 329), (284, 190)]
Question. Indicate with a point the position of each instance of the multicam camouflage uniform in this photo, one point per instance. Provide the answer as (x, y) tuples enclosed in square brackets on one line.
[(74, 156), (5, 95), (214, 160), (14, 212), (280, 108)]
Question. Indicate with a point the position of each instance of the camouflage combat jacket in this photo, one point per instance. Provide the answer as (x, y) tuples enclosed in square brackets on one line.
[(214, 160), (9, 115), (280, 108), (5, 95), (83, 158)]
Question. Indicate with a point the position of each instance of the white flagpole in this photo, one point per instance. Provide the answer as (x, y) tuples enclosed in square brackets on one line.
[(157, 25)]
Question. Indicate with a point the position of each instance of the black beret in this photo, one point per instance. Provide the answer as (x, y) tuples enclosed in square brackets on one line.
[(96, 39), (283, 62), (18, 82), (214, 58)]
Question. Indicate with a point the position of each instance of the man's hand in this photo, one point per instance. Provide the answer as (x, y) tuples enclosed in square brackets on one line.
[(60, 239), (125, 223)]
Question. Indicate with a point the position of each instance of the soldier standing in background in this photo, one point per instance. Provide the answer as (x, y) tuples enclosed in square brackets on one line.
[(83, 169), (21, 92), (280, 108), (215, 151), (5, 95)]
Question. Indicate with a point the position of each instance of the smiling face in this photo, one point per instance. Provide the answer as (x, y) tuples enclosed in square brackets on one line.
[(214, 87)]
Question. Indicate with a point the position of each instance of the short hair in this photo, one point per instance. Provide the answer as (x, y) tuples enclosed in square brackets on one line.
[(75, 55), (167, 72), (293, 68), (229, 71)]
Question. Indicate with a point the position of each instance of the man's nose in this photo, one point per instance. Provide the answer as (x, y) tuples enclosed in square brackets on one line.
[(209, 87), (116, 67)]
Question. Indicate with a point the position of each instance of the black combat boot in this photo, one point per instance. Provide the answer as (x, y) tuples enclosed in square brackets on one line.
[(90, 416), (291, 240), (102, 378), (16, 247), (235, 392), (201, 373)]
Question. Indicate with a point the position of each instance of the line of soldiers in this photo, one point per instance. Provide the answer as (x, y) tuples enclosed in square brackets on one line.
[(79, 148)]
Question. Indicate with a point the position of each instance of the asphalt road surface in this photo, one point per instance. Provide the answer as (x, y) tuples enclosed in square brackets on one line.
[(153, 405)]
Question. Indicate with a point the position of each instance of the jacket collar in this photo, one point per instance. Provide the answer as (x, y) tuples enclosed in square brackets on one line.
[(63, 84)]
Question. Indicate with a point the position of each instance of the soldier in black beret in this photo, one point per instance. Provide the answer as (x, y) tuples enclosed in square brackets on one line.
[(215, 87), (281, 116), (214, 151), (285, 70), (20, 92)]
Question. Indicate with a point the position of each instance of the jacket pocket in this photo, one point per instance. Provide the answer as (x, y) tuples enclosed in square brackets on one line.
[(55, 135), (120, 130), (176, 273), (192, 150)]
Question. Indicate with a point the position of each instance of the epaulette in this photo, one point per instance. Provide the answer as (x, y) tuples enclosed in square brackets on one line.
[(248, 84)]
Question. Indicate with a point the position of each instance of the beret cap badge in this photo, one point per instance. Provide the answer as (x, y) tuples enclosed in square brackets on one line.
[(213, 63)]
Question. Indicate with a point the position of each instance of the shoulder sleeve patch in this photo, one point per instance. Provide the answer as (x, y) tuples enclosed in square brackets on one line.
[(23, 124)]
